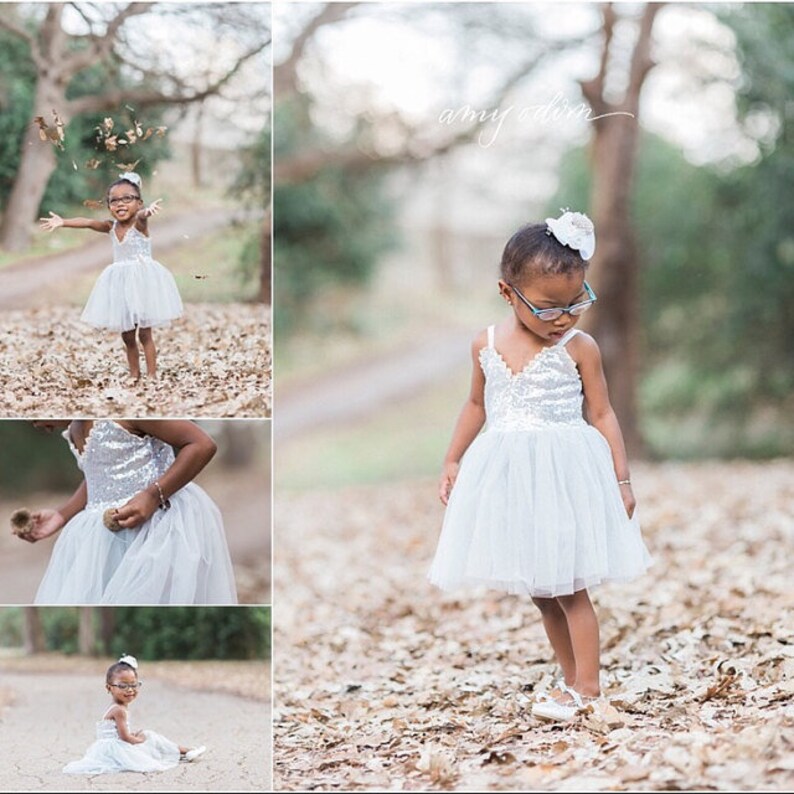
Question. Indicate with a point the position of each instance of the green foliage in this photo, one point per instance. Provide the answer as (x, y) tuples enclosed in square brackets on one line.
[(329, 230), (192, 632), (32, 461), (714, 289), (71, 182), (11, 627)]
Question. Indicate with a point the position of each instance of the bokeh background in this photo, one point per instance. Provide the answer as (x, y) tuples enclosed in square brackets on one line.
[(391, 216), (206, 680), (37, 470), (411, 140)]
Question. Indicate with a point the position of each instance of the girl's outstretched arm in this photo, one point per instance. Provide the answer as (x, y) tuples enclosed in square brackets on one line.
[(470, 422), (48, 522), (56, 222), (600, 414), (144, 213), (194, 451)]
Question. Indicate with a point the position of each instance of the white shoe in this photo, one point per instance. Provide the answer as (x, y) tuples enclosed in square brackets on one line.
[(561, 712), (545, 697), (192, 755)]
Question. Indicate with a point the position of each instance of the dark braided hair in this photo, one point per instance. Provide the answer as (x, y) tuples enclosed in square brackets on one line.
[(532, 251)]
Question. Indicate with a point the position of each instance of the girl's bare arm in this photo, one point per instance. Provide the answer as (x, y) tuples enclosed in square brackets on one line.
[(195, 449), (56, 222), (600, 413), (470, 422), (118, 715)]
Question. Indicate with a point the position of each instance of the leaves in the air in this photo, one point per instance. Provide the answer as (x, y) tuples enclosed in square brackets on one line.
[(93, 164), (127, 166), (384, 683), (93, 204), (54, 133), (215, 361)]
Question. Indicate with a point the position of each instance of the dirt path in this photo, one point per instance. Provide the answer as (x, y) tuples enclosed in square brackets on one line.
[(21, 284), (52, 722), (384, 683), (355, 391)]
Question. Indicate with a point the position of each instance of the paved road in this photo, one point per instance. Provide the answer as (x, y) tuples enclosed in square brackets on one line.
[(52, 723), (21, 283)]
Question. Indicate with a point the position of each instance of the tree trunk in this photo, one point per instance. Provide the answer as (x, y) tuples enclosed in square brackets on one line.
[(33, 633), (35, 168), (196, 147), (86, 639), (614, 271), (107, 627)]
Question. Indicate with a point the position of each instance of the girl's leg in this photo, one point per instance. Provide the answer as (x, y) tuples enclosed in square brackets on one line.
[(131, 348), (149, 350), (556, 626), (583, 629)]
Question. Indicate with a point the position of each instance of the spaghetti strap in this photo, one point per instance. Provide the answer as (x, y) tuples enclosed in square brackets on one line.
[(567, 336), (490, 336)]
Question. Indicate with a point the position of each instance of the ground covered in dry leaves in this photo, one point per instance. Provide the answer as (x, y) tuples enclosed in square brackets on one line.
[(215, 361), (382, 682)]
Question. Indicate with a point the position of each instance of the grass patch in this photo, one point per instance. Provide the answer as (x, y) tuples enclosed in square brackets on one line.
[(404, 440)]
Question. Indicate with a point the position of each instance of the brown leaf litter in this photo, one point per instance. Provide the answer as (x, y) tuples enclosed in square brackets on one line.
[(383, 682)]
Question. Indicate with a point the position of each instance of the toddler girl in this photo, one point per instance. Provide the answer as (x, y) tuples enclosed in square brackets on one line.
[(541, 503), (136, 292), (137, 530), (117, 748)]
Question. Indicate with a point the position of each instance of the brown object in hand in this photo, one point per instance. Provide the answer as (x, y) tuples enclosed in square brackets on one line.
[(21, 522), (109, 520)]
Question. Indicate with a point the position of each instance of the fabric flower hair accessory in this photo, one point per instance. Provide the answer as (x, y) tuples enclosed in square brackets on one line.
[(575, 230), (130, 660)]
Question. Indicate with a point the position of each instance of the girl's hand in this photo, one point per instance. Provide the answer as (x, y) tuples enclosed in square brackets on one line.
[(448, 476), (45, 523), (152, 209), (51, 223), (629, 502), (137, 511)]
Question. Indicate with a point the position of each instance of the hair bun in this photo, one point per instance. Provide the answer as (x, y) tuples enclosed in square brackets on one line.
[(130, 660), (131, 176)]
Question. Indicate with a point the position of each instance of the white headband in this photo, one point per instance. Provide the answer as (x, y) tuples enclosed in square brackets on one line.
[(575, 230), (130, 660)]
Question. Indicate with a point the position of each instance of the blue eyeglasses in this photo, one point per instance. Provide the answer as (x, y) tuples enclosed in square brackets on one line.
[(547, 315)]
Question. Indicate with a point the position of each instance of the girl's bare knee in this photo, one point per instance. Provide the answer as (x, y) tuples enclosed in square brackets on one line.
[(145, 334), (128, 337), (545, 604)]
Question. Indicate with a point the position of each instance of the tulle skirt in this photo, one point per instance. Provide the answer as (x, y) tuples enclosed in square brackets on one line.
[(538, 512), (139, 293), (178, 556), (156, 754)]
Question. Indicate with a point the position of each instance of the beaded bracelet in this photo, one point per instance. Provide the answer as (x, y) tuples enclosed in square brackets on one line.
[(164, 503)]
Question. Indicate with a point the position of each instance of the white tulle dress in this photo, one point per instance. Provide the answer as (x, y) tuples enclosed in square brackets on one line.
[(178, 556), (536, 508), (110, 753), (134, 291)]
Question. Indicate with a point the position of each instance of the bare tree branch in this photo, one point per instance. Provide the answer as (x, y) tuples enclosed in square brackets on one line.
[(641, 61), (285, 74), (593, 89), (102, 46), (8, 24)]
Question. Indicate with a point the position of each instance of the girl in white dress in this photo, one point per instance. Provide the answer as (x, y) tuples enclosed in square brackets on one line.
[(541, 503), (137, 530), (117, 748), (135, 292)]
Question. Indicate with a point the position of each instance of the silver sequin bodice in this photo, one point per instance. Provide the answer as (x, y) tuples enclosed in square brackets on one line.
[(134, 246), (547, 392), (117, 464)]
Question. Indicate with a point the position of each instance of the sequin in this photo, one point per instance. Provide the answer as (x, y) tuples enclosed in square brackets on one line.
[(546, 392), (118, 464)]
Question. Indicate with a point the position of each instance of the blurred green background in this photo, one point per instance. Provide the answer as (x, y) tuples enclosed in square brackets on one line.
[(389, 225)]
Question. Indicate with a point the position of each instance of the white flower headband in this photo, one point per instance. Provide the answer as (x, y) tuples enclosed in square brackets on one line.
[(575, 230), (130, 660), (131, 176)]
